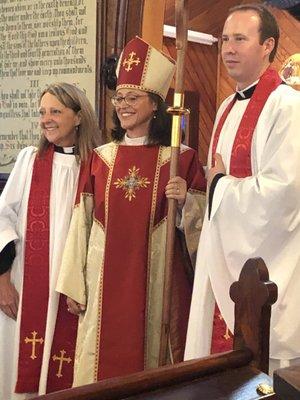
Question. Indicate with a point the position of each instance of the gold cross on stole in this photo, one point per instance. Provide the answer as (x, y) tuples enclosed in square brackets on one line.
[(227, 334), (34, 340), (61, 360)]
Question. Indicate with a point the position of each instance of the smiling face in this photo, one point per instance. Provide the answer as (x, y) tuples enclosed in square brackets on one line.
[(57, 121), (244, 57), (135, 119)]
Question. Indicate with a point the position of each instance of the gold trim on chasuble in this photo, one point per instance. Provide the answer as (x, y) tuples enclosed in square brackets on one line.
[(155, 294), (85, 360), (82, 273), (155, 274), (108, 154)]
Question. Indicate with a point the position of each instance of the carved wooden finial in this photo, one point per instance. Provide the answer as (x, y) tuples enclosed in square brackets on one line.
[(253, 295)]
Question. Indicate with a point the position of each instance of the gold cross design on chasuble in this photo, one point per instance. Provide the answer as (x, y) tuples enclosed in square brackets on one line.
[(33, 341), (61, 360), (131, 183), (130, 61)]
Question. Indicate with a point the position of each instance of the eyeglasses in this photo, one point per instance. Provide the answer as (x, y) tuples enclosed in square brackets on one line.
[(130, 99)]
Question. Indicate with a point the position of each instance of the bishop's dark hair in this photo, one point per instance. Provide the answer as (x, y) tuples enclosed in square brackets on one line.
[(160, 125)]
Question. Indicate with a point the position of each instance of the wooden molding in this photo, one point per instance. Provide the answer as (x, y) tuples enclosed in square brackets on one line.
[(153, 21)]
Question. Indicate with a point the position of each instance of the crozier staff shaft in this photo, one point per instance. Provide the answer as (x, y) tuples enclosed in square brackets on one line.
[(177, 111)]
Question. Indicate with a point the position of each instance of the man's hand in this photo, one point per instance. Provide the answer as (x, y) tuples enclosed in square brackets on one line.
[(219, 168), (9, 297), (74, 307)]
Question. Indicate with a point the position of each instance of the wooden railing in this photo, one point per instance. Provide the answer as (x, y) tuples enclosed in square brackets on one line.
[(253, 295)]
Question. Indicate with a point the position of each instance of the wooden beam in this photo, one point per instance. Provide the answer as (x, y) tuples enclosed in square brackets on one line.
[(153, 21)]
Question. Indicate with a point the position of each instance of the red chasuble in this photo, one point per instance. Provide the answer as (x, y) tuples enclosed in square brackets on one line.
[(125, 264), (240, 167), (35, 295), (129, 204)]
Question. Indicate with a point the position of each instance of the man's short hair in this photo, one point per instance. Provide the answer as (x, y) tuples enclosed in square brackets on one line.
[(268, 24)]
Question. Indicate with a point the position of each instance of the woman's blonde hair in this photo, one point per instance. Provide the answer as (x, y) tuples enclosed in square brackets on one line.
[(88, 133)]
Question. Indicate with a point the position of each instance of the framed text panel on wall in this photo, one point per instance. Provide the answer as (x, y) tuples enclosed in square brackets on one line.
[(41, 41)]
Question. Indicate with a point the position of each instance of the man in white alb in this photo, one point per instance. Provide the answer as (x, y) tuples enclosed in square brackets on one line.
[(254, 189)]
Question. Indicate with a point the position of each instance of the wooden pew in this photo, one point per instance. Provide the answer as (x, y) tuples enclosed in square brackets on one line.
[(231, 375), (287, 383)]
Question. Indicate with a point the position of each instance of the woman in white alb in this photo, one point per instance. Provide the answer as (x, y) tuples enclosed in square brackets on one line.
[(35, 212)]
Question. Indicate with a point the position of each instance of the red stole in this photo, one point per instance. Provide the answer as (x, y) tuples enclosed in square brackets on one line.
[(240, 167), (36, 285), (240, 163), (61, 363)]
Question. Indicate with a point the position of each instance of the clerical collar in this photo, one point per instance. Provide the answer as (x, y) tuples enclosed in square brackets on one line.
[(247, 92), (134, 141), (64, 150)]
